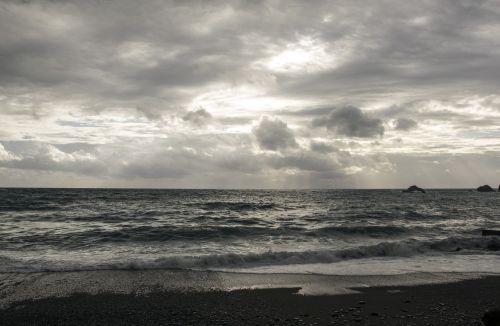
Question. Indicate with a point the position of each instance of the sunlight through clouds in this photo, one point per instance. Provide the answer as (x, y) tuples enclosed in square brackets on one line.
[(350, 99), (307, 55)]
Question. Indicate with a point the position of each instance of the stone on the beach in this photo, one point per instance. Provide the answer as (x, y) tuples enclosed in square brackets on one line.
[(485, 188), (414, 188), (491, 318)]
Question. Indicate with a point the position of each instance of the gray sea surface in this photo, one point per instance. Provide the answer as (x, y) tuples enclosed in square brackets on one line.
[(262, 231)]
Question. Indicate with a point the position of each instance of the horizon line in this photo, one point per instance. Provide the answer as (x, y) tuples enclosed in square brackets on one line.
[(174, 188)]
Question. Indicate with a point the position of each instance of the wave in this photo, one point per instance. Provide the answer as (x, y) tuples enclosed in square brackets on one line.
[(237, 206), (103, 217), (407, 248), (235, 228), (27, 206), (370, 230), (138, 234)]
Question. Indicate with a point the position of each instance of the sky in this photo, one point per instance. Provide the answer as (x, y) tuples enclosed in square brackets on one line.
[(249, 94)]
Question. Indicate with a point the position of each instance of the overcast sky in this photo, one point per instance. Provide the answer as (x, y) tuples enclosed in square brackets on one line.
[(250, 94)]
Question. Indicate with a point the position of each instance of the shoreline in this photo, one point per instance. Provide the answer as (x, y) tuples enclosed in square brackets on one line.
[(456, 303), (16, 287)]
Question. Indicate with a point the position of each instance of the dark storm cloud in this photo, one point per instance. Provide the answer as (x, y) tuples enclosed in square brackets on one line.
[(352, 122), (274, 134), (404, 124)]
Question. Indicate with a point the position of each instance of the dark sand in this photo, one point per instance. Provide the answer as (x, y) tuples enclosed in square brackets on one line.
[(460, 303)]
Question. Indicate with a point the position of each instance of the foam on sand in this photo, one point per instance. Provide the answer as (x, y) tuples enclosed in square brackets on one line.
[(15, 287)]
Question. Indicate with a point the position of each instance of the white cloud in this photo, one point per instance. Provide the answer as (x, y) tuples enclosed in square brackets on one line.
[(5, 155)]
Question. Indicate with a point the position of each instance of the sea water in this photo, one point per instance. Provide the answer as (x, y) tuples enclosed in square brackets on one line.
[(338, 232)]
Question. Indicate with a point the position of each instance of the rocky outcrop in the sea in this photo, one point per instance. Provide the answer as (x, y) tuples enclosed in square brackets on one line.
[(414, 189), (485, 188)]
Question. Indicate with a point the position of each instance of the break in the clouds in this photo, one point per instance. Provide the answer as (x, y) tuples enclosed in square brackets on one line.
[(249, 93)]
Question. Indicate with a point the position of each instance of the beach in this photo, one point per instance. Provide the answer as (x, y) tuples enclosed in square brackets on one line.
[(132, 302)]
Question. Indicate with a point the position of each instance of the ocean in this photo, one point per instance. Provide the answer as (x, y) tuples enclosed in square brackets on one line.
[(335, 232)]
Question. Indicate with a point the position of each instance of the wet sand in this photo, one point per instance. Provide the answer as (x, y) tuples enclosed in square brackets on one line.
[(458, 303)]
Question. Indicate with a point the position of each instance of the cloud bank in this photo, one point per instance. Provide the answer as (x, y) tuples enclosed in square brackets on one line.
[(249, 93)]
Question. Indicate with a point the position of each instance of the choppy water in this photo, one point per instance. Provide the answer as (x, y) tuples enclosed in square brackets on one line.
[(330, 231)]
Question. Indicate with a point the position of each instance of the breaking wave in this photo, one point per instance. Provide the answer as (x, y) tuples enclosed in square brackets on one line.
[(407, 248), (385, 249)]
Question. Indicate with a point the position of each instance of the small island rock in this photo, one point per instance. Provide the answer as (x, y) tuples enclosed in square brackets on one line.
[(414, 189), (485, 188)]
